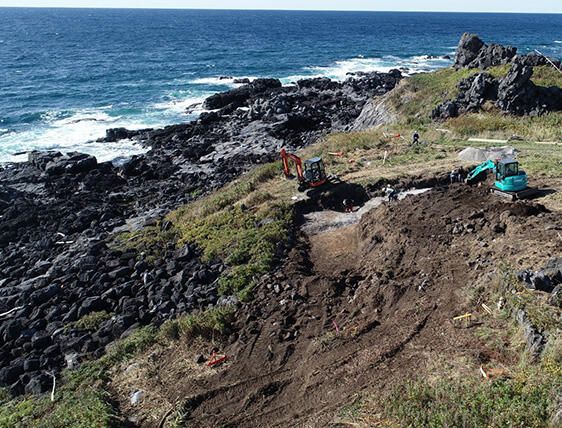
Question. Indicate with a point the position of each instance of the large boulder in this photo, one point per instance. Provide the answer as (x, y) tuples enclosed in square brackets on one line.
[(445, 111), (237, 97), (472, 52), (55, 163), (467, 50), (474, 91)]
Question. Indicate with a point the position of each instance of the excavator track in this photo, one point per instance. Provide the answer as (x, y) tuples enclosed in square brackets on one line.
[(521, 194)]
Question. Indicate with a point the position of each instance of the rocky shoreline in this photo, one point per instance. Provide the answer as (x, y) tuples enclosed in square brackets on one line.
[(57, 212)]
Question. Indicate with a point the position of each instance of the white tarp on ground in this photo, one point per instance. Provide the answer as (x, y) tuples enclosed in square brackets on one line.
[(482, 154), (321, 221)]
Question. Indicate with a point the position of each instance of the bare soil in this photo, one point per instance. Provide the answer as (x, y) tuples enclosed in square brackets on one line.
[(358, 305)]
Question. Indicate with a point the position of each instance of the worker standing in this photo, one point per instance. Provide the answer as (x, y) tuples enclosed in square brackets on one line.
[(461, 174), (453, 176), (416, 139)]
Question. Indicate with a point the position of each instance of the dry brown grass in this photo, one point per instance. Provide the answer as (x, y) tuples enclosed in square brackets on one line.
[(155, 372)]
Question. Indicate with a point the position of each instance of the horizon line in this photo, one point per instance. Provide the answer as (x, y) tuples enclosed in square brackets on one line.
[(275, 9)]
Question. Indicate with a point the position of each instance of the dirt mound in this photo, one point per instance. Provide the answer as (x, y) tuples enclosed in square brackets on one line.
[(482, 154), (355, 309)]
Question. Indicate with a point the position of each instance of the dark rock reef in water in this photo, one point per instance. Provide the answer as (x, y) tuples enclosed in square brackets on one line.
[(515, 93), (57, 211)]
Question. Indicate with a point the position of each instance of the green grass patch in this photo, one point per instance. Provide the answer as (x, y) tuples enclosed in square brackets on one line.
[(526, 399), (499, 71), (495, 124), (232, 193), (417, 154), (546, 75), (80, 406), (209, 324), (418, 95), (84, 407), (543, 164), (245, 240), (149, 242), (92, 321), (81, 399)]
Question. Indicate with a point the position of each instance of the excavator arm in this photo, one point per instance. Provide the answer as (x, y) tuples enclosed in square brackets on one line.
[(490, 164), (286, 170)]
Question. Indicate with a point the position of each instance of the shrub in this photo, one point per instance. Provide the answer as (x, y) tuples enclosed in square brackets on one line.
[(245, 240), (92, 320), (207, 324)]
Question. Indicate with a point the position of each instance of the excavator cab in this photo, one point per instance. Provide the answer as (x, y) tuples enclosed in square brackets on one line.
[(314, 171), (506, 168), (508, 176)]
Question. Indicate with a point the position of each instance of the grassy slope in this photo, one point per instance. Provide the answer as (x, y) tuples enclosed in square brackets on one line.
[(250, 250)]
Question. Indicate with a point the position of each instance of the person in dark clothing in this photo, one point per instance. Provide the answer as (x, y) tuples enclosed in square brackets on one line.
[(348, 205), (416, 140), (453, 176), (461, 174)]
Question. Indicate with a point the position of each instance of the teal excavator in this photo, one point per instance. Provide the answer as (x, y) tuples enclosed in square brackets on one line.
[(510, 181)]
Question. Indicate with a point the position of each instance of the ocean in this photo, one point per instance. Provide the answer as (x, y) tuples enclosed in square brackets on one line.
[(66, 75)]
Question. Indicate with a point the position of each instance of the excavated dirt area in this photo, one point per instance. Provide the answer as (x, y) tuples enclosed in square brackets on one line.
[(359, 305)]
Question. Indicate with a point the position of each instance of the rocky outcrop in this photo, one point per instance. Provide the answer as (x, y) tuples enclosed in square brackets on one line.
[(239, 96), (515, 93), (545, 279), (55, 163), (472, 52), (549, 280), (374, 113)]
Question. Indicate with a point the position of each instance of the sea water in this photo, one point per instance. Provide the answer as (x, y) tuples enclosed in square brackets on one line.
[(67, 75)]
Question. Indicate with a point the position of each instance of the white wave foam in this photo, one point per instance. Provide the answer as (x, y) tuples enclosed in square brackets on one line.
[(290, 80), (558, 41), (78, 130), (220, 81), (179, 102), (340, 69), (228, 81), (67, 134)]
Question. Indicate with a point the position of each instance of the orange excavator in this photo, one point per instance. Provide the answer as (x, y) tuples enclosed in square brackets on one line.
[(311, 173)]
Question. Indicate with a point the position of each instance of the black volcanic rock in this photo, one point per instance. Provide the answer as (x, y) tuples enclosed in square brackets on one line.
[(467, 50), (515, 93), (56, 163), (237, 97), (472, 52)]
